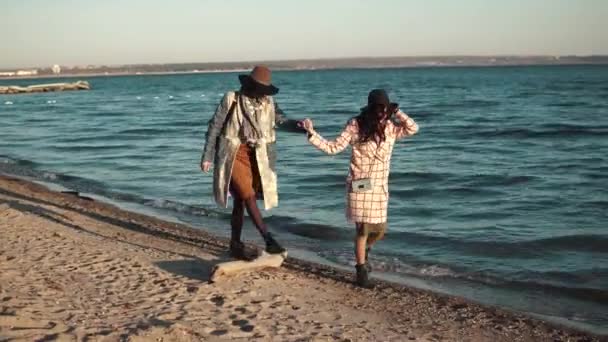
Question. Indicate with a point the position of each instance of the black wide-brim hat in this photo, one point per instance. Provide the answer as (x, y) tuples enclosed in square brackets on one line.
[(260, 78), (379, 97)]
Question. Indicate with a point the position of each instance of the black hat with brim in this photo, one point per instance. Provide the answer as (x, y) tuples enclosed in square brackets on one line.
[(248, 81), (378, 97)]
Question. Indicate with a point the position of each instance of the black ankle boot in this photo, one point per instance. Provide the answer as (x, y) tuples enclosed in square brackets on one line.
[(362, 277), (272, 246), (237, 250)]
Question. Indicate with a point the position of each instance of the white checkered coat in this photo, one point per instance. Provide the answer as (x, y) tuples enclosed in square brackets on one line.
[(368, 160)]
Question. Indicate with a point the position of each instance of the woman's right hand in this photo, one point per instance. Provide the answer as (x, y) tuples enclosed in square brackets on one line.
[(206, 166)]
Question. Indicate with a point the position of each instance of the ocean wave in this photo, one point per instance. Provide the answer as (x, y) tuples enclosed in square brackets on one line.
[(468, 103), (495, 180), (554, 283), (66, 139), (326, 180), (92, 147), (9, 160), (177, 207), (497, 248), (444, 192), (470, 180), (568, 104), (593, 276), (420, 176), (592, 175), (143, 131), (86, 185), (491, 248), (525, 133), (525, 95)]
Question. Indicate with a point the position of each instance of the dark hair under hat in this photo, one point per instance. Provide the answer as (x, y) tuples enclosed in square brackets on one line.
[(261, 79)]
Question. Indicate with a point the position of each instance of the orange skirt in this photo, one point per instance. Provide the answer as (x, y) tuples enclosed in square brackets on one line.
[(245, 182)]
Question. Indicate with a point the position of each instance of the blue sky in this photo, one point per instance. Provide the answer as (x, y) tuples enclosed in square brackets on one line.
[(80, 32)]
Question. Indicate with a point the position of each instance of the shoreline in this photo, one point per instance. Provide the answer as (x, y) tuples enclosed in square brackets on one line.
[(444, 317), (290, 69)]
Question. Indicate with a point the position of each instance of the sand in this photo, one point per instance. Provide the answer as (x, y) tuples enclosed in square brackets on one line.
[(76, 269)]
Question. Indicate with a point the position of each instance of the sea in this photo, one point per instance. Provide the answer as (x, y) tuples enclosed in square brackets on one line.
[(501, 197)]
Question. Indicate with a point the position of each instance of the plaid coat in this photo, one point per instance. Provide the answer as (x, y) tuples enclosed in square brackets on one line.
[(368, 160)]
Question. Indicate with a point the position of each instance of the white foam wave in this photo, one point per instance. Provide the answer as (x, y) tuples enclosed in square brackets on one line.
[(49, 176), (4, 160), (436, 271), (176, 206)]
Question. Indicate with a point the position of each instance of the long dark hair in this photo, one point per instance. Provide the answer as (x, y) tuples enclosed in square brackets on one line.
[(372, 123)]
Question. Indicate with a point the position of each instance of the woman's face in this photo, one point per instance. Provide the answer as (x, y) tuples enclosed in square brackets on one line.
[(252, 92), (381, 112)]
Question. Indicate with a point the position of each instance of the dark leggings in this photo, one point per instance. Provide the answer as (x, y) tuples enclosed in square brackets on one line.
[(238, 213)]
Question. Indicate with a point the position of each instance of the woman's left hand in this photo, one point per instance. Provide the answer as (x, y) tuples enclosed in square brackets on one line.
[(306, 124)]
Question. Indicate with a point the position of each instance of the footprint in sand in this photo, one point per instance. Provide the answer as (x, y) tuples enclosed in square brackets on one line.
[(240, 322), (218, 300), (244, 325), (247, 328), (219, 332), (241, 310)]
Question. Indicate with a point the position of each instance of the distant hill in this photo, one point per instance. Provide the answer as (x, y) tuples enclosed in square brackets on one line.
[(338, 63)]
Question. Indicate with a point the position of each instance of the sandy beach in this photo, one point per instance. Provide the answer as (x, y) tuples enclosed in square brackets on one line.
[(76, 269)]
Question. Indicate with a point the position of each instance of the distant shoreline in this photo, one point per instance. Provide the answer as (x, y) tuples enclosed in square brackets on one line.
[(96, 74), (227, 71), (315, 64)]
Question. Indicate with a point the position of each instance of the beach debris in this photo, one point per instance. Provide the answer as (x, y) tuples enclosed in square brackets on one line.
[(234, 267), (77, 194), (42, 88)]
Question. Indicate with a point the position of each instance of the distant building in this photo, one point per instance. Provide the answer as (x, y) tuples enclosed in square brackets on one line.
[(27, 72), (7, 73), (56, 69)]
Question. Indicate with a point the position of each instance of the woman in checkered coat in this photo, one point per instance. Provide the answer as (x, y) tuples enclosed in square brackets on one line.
[(372, 135)]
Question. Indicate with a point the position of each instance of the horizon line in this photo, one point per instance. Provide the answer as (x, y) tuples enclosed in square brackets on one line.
[(324, 59)]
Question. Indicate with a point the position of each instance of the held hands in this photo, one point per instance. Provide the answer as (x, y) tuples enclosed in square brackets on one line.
[(307, 125), (206, 166)]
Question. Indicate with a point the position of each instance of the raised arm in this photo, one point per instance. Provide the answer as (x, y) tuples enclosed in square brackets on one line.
[(335, 146), (404, 125), (214, 127)]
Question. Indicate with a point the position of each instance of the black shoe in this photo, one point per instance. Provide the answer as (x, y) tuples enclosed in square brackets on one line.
[(362, 277), (272, 246), (237, 250), (368, 266)]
